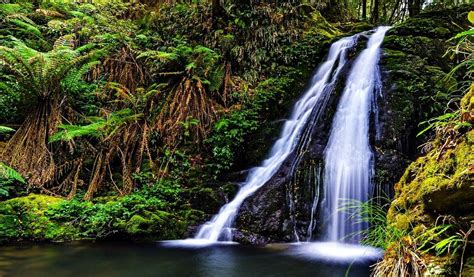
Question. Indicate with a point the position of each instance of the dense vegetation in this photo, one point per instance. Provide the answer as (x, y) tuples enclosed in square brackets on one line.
[(136, 119)]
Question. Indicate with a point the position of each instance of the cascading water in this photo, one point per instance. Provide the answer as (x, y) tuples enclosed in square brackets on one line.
[(348, 156), (326, 76)]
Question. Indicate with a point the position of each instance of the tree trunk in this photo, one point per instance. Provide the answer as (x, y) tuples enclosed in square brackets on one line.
[(394, 11), (217, 9), (414, 7), (364, 9), (375, 11)]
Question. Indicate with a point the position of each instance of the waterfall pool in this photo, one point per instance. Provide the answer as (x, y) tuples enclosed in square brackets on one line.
[(167, 259)]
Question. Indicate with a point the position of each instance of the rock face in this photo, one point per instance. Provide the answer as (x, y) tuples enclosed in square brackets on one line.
[(437, 190), (439, 183), (281, 209), (413, 67)]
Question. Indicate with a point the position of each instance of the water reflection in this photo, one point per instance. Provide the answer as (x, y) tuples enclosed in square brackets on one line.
[(124, 259), (217, 261)]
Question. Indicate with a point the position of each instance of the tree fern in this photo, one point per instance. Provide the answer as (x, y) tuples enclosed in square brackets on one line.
[(41, 73), (99, 127), (26, 26), (40, 76)]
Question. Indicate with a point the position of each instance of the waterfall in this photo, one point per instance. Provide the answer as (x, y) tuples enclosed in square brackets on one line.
[(219, 227), (348, 156)]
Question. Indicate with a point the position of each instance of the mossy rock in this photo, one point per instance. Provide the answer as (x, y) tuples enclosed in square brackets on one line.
[(45, 218), (436, 24), (205, 199), (24, 218), (436, 184)]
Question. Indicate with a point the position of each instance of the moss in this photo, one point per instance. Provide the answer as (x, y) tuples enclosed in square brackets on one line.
[(24, 217), (45, 218), (415, 85), (206, 199), (436, 24), (137, 224), (434, 184), (321, 26), (468, 269)]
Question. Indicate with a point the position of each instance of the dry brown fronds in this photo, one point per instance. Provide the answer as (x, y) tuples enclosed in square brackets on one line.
[(186, 107), (400, 260), (122, 68), (49, 13), (27, 151)]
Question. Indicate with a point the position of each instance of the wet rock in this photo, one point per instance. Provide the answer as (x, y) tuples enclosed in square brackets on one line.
[(244, 237), (411, 65)]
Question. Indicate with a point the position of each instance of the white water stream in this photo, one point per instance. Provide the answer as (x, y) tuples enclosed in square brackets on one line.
[(219, 227), (348, 155)]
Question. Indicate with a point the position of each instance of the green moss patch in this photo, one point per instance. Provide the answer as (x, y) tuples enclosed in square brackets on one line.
[(435, 184), (46, 218)]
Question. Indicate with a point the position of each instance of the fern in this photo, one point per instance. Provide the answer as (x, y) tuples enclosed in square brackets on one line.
[(442, 121), (9, 173), (8, 9), (28, 27), (158, 55), (41, 73), (69, 132), (100, 127)]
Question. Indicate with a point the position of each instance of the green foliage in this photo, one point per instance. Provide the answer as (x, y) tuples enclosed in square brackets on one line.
[(41, 73), (8, 9), (198, 62), (99, 127), (5, 130), (448, 119), (27, 27), (140, 215), (228, 136), (380, 234), (464, 49), (9, 180), (9, 99), (437, 239), (441, 239), (7, 172)]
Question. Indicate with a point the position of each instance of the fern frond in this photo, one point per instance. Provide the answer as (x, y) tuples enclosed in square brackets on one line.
[(69, 132), (158, 55), (9, 173), (30, 28)]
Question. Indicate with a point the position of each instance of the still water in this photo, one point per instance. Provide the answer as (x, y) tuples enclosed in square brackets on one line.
[(160, 259)]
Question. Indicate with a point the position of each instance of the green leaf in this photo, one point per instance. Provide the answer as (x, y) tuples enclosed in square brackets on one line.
[(7, 172), (4, 130), (190, 66), (470, 16), (26, 26), (465, 33)]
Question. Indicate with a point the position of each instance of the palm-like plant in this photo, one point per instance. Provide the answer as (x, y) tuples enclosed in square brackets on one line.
[(39, 75), (191, 75), (120, 135)]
